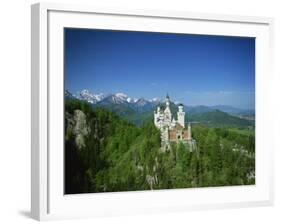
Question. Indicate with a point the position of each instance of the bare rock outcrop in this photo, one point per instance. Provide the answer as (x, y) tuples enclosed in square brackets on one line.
[(77, 126)]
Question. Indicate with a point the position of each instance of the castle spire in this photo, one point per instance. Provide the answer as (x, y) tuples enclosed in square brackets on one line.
[(167, 100)]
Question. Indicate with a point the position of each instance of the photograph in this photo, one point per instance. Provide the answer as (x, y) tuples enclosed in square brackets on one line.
[(157, 111)]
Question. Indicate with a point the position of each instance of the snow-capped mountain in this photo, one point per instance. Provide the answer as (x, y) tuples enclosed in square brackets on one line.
[(131, 100), (155, 100), (118, 98), (142, 102), (140, 105), (86, 95), (122, 96)]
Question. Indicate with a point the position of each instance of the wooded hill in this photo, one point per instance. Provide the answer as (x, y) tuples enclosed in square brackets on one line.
[(105, 153)]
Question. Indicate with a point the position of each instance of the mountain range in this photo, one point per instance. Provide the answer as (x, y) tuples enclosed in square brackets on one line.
[(143, 104), (138, 110)]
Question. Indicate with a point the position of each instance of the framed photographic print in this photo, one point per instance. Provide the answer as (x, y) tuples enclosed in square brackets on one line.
[(138, 111)]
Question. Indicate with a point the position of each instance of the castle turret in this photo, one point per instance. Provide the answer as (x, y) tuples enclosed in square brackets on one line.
[(181, 115), (167, 112), (167, 100)]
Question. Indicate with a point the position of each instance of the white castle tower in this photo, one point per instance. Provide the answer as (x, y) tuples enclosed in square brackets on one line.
[(167, 112), (163, 118), (181, 115)]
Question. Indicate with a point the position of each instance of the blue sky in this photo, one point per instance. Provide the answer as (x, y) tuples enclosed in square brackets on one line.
[(193, 69)]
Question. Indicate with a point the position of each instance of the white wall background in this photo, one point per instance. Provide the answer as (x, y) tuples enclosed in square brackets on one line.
[(15, 110)]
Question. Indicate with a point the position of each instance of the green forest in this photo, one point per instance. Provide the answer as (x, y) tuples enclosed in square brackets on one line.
[(106, 153)]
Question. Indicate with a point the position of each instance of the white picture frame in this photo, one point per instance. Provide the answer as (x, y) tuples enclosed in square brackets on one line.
[(47, 198)]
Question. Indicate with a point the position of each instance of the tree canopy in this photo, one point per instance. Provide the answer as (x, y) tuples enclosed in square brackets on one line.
[(119, 156)]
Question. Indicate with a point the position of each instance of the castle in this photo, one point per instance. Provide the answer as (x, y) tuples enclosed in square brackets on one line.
[(172, 130)]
